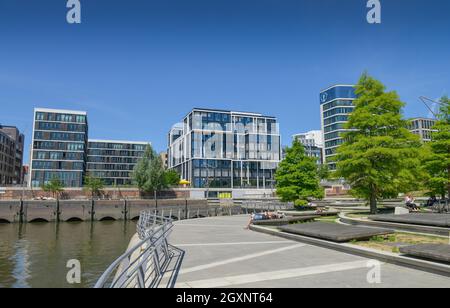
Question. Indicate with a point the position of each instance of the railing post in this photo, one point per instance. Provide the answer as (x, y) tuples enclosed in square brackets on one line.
[(141, 277), (156, 262)]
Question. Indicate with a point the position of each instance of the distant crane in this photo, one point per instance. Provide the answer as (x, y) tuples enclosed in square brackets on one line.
[(432, 105)]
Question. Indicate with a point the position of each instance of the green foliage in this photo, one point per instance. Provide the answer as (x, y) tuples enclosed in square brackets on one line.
[(172, 178), (324, 172), (55, 186), (93, 184), (436, 154), (395, 249), (297, 177), (379, 157), (149, 172)]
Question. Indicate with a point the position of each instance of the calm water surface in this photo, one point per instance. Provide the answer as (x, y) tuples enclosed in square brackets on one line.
[(36, 254)]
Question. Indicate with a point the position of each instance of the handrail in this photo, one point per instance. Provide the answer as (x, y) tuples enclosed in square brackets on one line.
[(140, 266)]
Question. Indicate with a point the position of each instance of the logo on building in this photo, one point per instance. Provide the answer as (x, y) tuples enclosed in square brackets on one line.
[(324, 97)]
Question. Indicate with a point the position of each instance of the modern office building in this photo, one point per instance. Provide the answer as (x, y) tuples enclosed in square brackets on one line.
[(59, 147), (113, 161), (7, 158), (423, 127), (313, 143), (11, 155), (225, 152), (336, 103)]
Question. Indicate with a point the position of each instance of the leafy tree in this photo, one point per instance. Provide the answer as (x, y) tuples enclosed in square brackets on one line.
[(297, 176), (172, 177), (379, 156), (94, 185), (149, 173), (436, 154), (55, 186), (323, 172)]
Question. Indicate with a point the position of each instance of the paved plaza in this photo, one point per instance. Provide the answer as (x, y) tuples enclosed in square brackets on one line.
[(220, 252)]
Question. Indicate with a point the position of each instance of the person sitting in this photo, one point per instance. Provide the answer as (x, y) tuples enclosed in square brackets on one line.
[(409, 202), (431, 201), (319, 210), (256, 217)]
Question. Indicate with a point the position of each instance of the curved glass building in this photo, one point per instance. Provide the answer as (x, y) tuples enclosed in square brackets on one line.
[(336, 103)]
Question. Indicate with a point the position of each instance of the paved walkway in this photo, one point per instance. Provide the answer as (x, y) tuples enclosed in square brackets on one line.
[(219, 252)]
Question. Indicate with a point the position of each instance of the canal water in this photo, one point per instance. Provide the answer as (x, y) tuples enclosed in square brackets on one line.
[(36, 254)]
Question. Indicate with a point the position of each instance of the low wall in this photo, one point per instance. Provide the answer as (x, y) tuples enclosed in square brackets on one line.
[(16, 193), (97, 210)]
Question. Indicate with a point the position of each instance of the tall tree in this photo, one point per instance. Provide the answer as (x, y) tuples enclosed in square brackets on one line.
[(172, 177), (55, 186), (94, 185), (436, 154), (297, 176), (323, 171), (149, 173), (379, 156)]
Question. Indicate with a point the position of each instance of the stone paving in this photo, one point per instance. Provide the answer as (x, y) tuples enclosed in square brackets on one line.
[(220, 252)]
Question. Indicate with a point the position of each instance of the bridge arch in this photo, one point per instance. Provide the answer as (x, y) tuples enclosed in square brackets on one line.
[(107, 218), (74, 219), (39, 219), (4, 221)]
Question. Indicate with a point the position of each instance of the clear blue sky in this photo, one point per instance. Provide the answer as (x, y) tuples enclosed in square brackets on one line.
[(138, 66)]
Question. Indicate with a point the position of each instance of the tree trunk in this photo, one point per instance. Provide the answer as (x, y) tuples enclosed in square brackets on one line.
[(373, 204), (156, 199)]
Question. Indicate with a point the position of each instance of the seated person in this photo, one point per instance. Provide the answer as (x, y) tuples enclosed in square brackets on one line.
[(409, 202), (255, 217), (431, 201), (320, 210)]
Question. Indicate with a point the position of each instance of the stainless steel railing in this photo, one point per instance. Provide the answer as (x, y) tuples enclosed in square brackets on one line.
[(141, 266)]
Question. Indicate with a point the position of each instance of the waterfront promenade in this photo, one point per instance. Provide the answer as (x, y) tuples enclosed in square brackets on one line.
[(220, 252)]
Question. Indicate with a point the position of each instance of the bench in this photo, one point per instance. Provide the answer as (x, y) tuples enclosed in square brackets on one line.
[(334, 232), (435, 252)]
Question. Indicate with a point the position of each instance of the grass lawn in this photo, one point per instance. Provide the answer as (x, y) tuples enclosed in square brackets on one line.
[(357, 215), (392, 242), (331, 219)]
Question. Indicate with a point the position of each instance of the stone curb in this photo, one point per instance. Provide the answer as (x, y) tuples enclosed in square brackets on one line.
[(423, 265)]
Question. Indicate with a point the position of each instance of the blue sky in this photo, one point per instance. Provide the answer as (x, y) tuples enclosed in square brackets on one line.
[(138, 66)]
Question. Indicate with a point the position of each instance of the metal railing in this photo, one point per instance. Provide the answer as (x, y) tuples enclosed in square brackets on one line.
[(141, 266)]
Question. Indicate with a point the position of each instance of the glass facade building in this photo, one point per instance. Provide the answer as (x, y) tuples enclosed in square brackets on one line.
[(423, 127), (336, 103), (114, 161), (59, 147), (7, 156), (313, 143), (225, 149), (11, 155)]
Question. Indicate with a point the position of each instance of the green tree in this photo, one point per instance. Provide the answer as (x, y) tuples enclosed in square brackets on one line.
[(379, 156), (94, 185), (436, 154), (324, 172), (55, 186), (149, 173), (172, 177), (297, 176)]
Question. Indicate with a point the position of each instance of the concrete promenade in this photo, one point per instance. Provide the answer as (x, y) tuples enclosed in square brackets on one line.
[(219, 252)]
